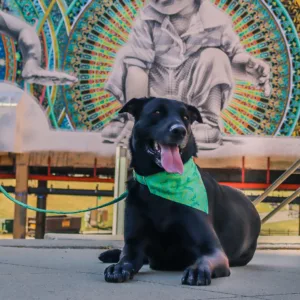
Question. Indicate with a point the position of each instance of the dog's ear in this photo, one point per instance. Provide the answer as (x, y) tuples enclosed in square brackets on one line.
[(134, 107), (194, 114)]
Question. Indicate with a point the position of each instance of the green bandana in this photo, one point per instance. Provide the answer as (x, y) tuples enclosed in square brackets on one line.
[(187, 189)]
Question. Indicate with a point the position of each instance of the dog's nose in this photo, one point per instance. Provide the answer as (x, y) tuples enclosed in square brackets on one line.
[(178, 131)]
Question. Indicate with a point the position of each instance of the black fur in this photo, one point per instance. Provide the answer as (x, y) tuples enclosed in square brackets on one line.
[(171, 236)]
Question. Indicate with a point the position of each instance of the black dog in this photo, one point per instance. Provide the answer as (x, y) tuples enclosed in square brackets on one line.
[(172, 236)]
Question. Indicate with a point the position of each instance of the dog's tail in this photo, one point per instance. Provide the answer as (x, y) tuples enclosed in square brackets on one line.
[(110, 256), (113, 256)]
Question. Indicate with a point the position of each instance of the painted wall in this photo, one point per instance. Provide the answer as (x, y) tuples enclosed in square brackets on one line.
[(82, 37)]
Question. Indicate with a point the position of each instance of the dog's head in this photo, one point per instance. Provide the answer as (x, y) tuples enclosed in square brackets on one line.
[(162, 138)]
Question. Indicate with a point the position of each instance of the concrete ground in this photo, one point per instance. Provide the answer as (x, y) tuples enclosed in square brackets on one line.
[(62, 273)]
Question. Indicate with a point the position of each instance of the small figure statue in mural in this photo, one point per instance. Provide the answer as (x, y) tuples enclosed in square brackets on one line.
[(30, 46), (183, 50)]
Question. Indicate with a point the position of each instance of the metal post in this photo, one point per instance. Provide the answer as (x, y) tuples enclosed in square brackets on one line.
[(243, 169), (120, 188), (299, 220), (276, 183), (283, 204), (40, 219), (21, 192), (268, 170)]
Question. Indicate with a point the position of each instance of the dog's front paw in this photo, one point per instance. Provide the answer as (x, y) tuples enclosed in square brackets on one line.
[(120, 272), (197, 275)]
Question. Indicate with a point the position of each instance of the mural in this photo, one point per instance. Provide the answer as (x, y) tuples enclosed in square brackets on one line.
[(86, 37)]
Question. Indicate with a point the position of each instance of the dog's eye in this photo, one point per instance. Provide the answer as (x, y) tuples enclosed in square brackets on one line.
[(157, 112), (186, 118)]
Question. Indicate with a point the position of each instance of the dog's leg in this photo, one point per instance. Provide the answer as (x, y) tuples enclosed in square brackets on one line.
[(205, 268), (130, 263), (132, 256), (211, 260)]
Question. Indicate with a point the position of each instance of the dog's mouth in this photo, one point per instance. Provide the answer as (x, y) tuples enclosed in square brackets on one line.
[(167, 157)]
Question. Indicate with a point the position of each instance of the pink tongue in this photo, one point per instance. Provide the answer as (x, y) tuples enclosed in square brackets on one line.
[(171, 160)]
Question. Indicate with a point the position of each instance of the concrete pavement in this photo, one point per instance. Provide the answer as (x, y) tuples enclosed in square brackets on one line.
[(76, 274)]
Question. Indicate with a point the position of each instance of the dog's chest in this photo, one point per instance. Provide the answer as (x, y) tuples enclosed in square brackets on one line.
[(161, 213), (168, 236), (166, 218)]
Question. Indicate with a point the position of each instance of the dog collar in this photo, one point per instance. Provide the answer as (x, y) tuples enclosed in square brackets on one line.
[(187, 189)]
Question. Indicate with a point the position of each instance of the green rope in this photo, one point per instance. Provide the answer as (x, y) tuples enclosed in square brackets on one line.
[(58, 212)]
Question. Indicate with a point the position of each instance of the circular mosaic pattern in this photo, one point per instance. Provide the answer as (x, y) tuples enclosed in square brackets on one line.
[(83, 37)]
